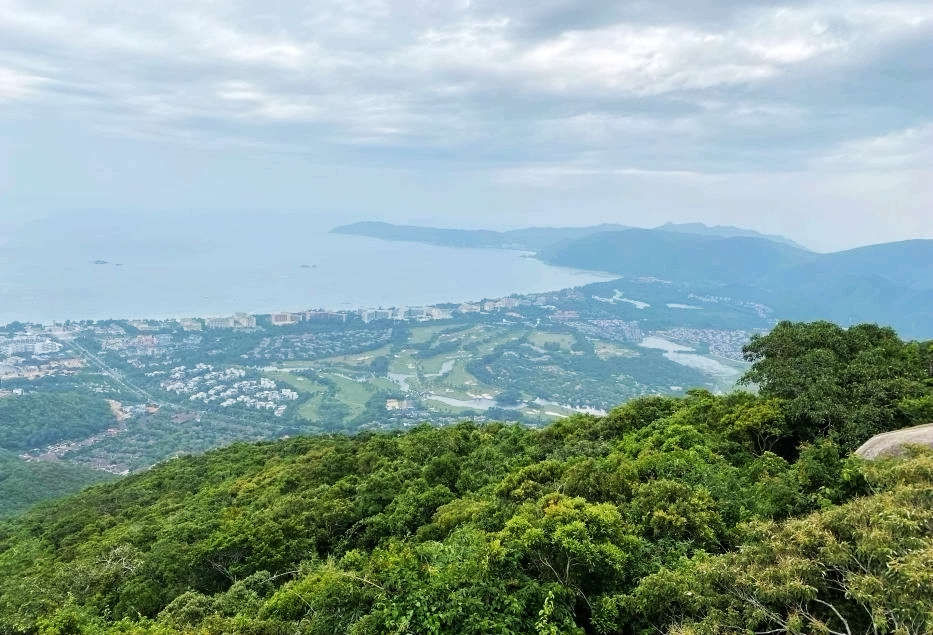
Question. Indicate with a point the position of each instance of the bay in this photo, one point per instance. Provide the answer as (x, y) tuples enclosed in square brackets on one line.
[(99, 265)]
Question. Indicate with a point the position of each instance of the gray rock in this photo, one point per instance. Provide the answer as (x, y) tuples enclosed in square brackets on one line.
[(893, 443)]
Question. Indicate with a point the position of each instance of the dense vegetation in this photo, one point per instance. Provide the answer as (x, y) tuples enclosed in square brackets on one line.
[(23, 483), (701, 514), (34, 420)]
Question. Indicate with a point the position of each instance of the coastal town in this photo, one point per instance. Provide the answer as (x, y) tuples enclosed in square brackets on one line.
[(203, 380)]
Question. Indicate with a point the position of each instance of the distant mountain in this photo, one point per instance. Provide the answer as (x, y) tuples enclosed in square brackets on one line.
[(531, 238), (684, 257), (724, 231), (906, 263), (536, 238), (888, 283)]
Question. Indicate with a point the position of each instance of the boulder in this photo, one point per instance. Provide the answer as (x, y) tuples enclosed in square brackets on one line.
[(893, 443)]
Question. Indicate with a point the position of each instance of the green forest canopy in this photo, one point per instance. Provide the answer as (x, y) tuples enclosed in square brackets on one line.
[(24, 483), (34, 420), (703, 514)]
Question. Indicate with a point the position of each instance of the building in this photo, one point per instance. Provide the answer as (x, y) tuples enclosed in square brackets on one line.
[(283, 319), (46, 346), (28, 345), (415, 313), (318, 315), (501, 303), (236, 321), (468, 308), (435, 313), (565, 315), (372, 315), (190, 324), (243, 321), (398, 404), (219, 323), (509, 303)]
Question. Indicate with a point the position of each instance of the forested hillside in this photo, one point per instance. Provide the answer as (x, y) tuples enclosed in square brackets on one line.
[(33, 420), (888, 283), (702, 514), (23, 483)]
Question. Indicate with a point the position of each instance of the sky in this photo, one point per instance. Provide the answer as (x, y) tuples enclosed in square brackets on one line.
[(813, 120)]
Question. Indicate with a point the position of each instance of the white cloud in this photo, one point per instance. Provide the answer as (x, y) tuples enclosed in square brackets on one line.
[(910, 149), (17, 85), (537, 95)]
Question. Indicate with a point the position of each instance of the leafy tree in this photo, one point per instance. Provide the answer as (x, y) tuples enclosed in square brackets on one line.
[(845, 383)]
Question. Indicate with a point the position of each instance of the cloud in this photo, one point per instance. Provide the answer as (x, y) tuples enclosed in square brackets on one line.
[(17, 85), (526, 93), (910, 149)]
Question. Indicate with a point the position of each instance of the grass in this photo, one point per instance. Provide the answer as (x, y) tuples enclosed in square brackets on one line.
[(497, 338), (444, 408), (434, 364), (357, 359), (605, 350), (301, 384), (459, 376), (540, 338), (381, 383), (353, 394), (309, 409), (421, 334)]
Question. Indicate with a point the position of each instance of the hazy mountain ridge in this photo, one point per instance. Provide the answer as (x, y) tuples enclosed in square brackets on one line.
[(725, 231), (677, 256), (532, 238), (888, 283)]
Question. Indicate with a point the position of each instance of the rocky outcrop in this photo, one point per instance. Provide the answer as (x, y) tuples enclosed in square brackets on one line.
[(893, 443)]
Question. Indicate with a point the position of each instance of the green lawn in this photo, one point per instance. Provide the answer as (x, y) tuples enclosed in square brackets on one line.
[(438, 406), (403, 363), (421, 334), (353, 394), (434, 364), (357, 359), (540, 338), (309, 409), (303, 385)]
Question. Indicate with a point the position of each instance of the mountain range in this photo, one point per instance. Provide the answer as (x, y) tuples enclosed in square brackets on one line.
[(889, 283), (530, 238)]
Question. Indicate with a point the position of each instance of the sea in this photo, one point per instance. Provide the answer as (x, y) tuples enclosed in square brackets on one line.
[(102, 265)]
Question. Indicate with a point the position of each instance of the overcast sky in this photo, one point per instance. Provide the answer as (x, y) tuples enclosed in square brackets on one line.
[(810, 119)]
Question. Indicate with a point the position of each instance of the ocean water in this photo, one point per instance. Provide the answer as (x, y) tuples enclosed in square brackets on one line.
[(125, 265)]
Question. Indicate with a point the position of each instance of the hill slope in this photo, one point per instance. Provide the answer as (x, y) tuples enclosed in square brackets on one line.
[(666, 511), (889, 283), (676, 256), (725, 231), (24, 484)]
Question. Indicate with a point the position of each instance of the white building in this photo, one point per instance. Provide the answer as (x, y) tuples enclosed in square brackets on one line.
[(28, 345)]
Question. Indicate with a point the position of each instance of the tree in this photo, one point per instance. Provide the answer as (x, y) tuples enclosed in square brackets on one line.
[(844, 383)]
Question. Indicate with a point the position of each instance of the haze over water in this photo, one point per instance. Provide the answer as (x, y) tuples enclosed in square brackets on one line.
[(198, 265)]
